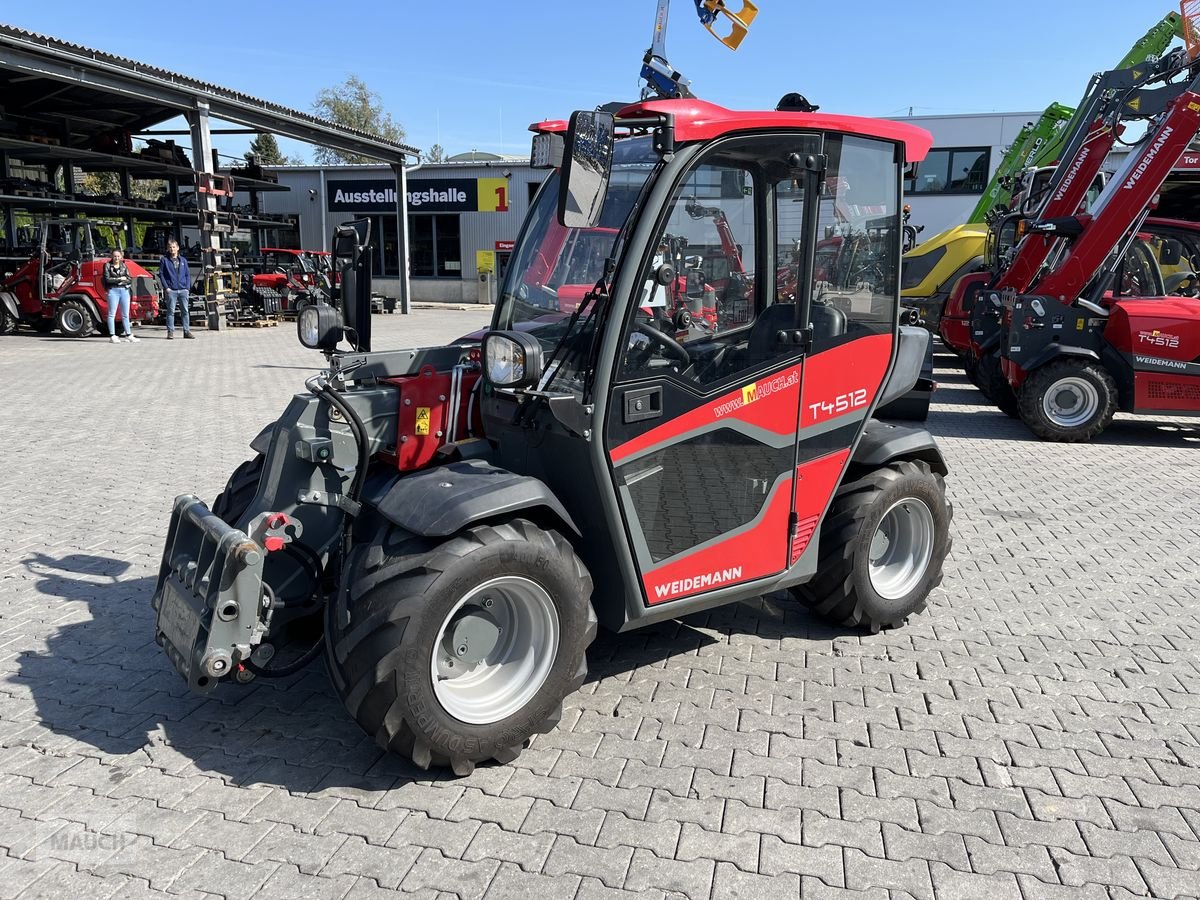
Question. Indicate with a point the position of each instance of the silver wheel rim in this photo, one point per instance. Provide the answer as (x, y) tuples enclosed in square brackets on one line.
[(487, 690), (72, 319), (901, 548), (1071, 402)]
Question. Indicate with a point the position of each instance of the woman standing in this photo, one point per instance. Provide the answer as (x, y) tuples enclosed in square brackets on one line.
[(117, 281)]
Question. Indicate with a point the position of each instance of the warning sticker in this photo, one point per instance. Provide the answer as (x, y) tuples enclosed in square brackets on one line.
[(422, 420)]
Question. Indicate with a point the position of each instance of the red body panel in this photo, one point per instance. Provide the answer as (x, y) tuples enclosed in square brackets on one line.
[(815, 484), (1165, 327), (1159, 392), (426, 421), (844, 379), (955, 324)]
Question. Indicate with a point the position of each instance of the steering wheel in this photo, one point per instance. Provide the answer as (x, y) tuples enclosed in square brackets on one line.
[(668, 344), (1174, 283)]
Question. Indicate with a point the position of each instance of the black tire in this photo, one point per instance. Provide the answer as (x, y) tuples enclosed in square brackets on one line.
[(398, 590), (1090, 379), (8, 322), (239, 491), (971, 369), (74, 319), (995, 386), (843, 591)]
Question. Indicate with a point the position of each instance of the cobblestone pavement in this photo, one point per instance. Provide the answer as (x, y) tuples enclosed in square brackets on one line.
[(1036, 733)]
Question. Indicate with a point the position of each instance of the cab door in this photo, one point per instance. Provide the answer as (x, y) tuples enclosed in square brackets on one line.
[(745, 387), (701, 430)]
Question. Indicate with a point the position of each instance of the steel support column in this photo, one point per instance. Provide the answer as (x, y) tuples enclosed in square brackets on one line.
[(402, 235), (211, 254)]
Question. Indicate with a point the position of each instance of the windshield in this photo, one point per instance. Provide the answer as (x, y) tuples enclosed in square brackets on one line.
[(554, 267)]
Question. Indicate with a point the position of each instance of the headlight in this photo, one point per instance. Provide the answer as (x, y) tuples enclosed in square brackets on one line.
[(511, 359), (319, 327)]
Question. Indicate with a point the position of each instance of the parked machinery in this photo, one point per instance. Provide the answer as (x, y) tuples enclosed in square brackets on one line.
[(61, 285), (933, 268), (1076, 337)]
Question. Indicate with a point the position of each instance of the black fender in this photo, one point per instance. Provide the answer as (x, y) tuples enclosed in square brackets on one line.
[(87, 301), (1054, 351), (883, 442), (914, 347), (444, 500), (10, 304), (262, 442)]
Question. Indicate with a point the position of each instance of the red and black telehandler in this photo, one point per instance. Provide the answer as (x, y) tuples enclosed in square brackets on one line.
[(449, 525)]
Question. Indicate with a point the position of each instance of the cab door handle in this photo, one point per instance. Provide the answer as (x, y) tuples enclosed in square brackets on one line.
[(643, 403)]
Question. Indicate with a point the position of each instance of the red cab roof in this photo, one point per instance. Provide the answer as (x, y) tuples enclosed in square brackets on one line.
[(698, 120)]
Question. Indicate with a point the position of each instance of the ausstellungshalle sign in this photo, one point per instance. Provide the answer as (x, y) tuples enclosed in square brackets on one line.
[(367, 195)]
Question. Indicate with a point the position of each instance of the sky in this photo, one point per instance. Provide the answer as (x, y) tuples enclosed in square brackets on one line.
[(477, 77)]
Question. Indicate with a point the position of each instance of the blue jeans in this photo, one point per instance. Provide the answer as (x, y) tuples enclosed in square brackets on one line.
[(181, 297), (118, 295)]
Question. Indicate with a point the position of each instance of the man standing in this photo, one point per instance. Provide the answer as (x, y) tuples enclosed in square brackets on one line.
[(175, 278)]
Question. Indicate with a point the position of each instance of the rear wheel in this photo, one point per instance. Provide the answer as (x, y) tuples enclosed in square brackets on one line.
[(74, 319), (8, 322), (883, 544), (995, 386), (455, 652), (1068, 400)]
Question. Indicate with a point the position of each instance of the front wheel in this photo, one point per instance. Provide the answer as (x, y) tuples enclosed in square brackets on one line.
[(1068, 400), (882, 547), (74, 319), (456, 652), (995, 386)]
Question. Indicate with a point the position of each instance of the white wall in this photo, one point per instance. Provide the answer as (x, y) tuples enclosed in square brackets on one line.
[(995, 130)]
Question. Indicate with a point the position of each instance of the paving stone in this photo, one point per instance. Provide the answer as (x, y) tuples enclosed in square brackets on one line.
[(511, 883), (610, 865), (432, 871), (660, 838), (387, 866), (449, 838), (866, 872), (529, 851), (695, 844), (691, 879), (730, 881)]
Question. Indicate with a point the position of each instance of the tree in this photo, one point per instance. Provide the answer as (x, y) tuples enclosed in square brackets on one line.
[(354, 105), (435, 154), (265, 150)]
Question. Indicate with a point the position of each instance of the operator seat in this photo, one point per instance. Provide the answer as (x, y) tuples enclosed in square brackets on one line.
[(828, 322)]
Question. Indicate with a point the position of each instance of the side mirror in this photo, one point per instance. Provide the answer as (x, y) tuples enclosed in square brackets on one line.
[(512, 359), (587, 164)]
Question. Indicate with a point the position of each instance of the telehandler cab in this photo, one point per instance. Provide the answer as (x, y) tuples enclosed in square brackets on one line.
[(457, 520)]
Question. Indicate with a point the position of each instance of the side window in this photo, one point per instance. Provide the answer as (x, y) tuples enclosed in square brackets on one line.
[(703, 313), (857, 253)]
